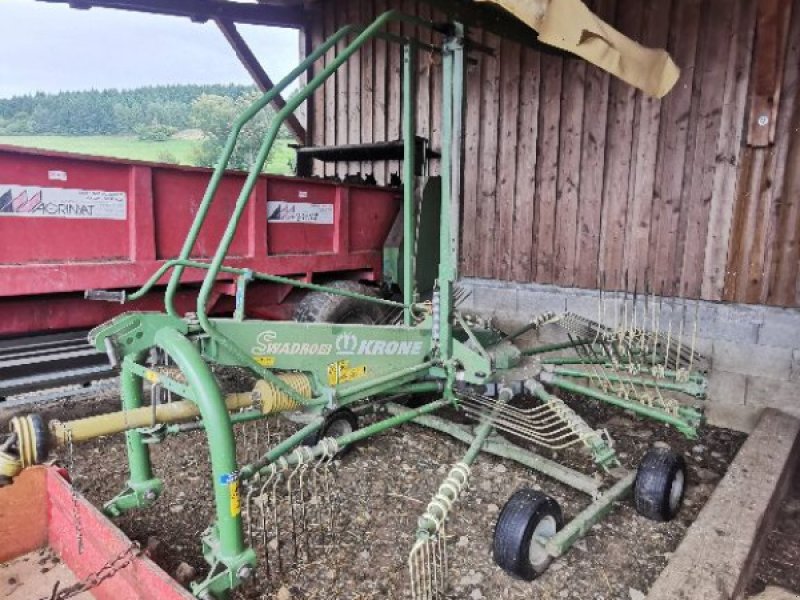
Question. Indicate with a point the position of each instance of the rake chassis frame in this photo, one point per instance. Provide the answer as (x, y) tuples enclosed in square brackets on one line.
[(434, 350)]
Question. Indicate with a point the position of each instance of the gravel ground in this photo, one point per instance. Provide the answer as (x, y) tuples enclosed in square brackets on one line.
[(381, 489), (780, 561)]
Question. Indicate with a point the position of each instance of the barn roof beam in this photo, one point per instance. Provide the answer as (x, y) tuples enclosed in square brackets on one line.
[(203, 10), (257, 72)]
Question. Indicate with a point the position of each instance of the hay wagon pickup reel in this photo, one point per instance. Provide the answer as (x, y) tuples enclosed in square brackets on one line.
[(283, 504)]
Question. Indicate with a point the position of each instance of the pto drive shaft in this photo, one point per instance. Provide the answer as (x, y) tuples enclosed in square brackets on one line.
[(30, 439)]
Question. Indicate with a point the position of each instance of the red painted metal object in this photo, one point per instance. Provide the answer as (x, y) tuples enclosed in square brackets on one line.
[(71, 222), (39, 510)]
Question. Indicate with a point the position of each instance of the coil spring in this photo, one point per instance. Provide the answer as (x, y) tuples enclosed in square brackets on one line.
[(445, 497)]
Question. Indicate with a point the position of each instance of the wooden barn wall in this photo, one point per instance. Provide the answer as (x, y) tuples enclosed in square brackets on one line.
[(573, 178)]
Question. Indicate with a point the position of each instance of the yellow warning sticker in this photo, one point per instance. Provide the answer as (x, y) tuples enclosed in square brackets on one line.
[(265, 361), (236, 506), (151, 376), (341, 372)]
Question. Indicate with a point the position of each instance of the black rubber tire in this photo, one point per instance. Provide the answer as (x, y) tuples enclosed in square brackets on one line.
[(329, 428), (513, 533), (325, 307), (654, 495)]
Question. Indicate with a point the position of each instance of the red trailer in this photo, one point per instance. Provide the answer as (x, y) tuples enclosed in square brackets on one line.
[(53, 538), (71, 223)]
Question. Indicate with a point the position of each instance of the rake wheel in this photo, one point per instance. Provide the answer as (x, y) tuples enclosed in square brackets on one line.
[(527, 521), (660, 484)]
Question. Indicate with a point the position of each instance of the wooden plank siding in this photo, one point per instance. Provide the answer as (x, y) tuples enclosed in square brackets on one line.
[(573, 178)]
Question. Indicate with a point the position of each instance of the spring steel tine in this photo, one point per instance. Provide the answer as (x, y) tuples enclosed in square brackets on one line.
[(522, 412), (318, 498), (443, 550), (326, 510), (332, 449), (430, 561), (290, 497), (248, 503), (255, 443), (553, 427), (263, 510), (624, 324), (679, 348), (635, 307), (301, 491), (417, 570), (669, 338), (283, 465), (694, 335), (567, 433)]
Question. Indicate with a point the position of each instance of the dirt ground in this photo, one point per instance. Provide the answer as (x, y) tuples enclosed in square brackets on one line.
[(779, 562), (382, 487)]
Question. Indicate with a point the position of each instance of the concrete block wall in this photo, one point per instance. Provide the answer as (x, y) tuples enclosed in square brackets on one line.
[(754, 350)]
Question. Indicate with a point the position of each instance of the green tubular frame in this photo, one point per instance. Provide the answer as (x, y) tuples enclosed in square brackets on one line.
[(262, 466), (215, 266), (686, 421), (142, 487), (224, 544), (255, 275), (690, 388), (409, 178), (226, 536)]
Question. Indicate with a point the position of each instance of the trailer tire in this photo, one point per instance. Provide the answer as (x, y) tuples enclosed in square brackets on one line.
[(336, 424), (660, 484), (527, 518), (326, 307)]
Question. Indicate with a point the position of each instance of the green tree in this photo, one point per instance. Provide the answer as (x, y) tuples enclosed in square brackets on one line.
[(215, 114)]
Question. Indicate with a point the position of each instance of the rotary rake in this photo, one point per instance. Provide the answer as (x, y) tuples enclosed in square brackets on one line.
[(367, 354)]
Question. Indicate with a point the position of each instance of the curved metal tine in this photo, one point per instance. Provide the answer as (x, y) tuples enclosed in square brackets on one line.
[(301, 492), (543, 416), (425, 577), (440, 578), (317, 499), (432, 565), (256, 446), (414, 570), (248, 502), (282, 466), (490, 402), (565, 440), (245, 445), (443, 559), (262, 508), (433, 554), (333, 448), (550, 438), (290, 497), (544, 423), (541, 426)]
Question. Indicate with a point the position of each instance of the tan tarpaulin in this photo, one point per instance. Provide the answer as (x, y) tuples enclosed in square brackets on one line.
[(571, 26)]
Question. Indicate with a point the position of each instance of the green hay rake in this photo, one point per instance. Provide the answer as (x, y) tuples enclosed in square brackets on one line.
[(281, 505)]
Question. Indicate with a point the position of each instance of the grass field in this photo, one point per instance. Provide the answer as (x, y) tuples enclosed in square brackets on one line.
[(180, 151)]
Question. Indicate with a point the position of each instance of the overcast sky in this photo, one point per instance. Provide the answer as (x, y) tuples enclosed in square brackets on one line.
[(51, 47)]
